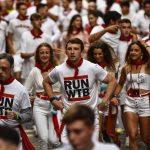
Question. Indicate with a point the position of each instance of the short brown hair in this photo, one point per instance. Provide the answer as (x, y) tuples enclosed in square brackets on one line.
[(76, 41), (79, 112), (35, 16)]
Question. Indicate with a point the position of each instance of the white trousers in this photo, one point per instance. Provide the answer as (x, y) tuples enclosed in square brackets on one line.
[(45, 128)]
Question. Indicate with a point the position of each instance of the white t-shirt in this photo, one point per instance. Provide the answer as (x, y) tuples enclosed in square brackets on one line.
[(29, 45), (31, 10), (17, 27), (50, 27), (97, 146), (65, 17), (15, 98), (110, 38), (3, 28), (147, 39), (84, 88), (141, 21)]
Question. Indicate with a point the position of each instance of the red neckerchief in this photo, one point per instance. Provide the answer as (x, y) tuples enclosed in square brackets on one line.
[(22, 17), (75, 66), (8, 81), (43, 70), (146, 40), (137, 63), (105, 26), (103, 65), (36, 34), (127, 39)]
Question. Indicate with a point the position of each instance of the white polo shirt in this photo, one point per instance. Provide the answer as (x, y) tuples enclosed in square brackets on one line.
[(84, 88), (110, 38)]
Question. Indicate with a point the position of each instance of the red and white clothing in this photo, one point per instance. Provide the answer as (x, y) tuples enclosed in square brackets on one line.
[(29, 43), (110, 38), (17, 27), (65, 17), (3, 28), (15, 98), (82, 89), (41, 109)]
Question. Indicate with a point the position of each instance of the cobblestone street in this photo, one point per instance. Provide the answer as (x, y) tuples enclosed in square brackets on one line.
[(35, 141)]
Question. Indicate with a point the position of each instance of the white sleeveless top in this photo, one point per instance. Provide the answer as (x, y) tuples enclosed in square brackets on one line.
[(138, 80)]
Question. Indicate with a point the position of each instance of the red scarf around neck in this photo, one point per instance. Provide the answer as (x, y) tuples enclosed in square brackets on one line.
[(137, 63), (75, 66), (22, 17), (127, 39), (2, 83), (43, 70), (103, 65), (36, 34)]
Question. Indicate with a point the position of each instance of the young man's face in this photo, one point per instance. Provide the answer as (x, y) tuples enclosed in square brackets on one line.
[(37, 23), (92, 20), (79, 134), (22, 10), (6, 145), (73, 52), (125, 29), (5, 69)]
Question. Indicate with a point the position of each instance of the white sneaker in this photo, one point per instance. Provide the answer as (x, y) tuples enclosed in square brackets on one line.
[(127, 141)]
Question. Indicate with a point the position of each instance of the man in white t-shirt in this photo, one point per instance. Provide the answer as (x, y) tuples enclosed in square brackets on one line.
[(3, 27), (79, 81), (141, 20), (15, 107), (65, 15), (110, 32), (48, 25), (79, 120), (30, 41), (15, 30)]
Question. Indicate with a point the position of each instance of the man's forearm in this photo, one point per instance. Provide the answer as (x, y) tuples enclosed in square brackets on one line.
[(110, 89), (27, 55), (96, 36), (48, 88)]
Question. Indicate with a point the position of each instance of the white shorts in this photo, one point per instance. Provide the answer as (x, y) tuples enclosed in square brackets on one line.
[(138, 105), (18, 61)]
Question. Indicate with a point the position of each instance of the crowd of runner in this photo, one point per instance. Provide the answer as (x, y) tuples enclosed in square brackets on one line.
[(58, 53)]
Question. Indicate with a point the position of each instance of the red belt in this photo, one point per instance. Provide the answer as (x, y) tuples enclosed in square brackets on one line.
[(132, 93), (44, 97)]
